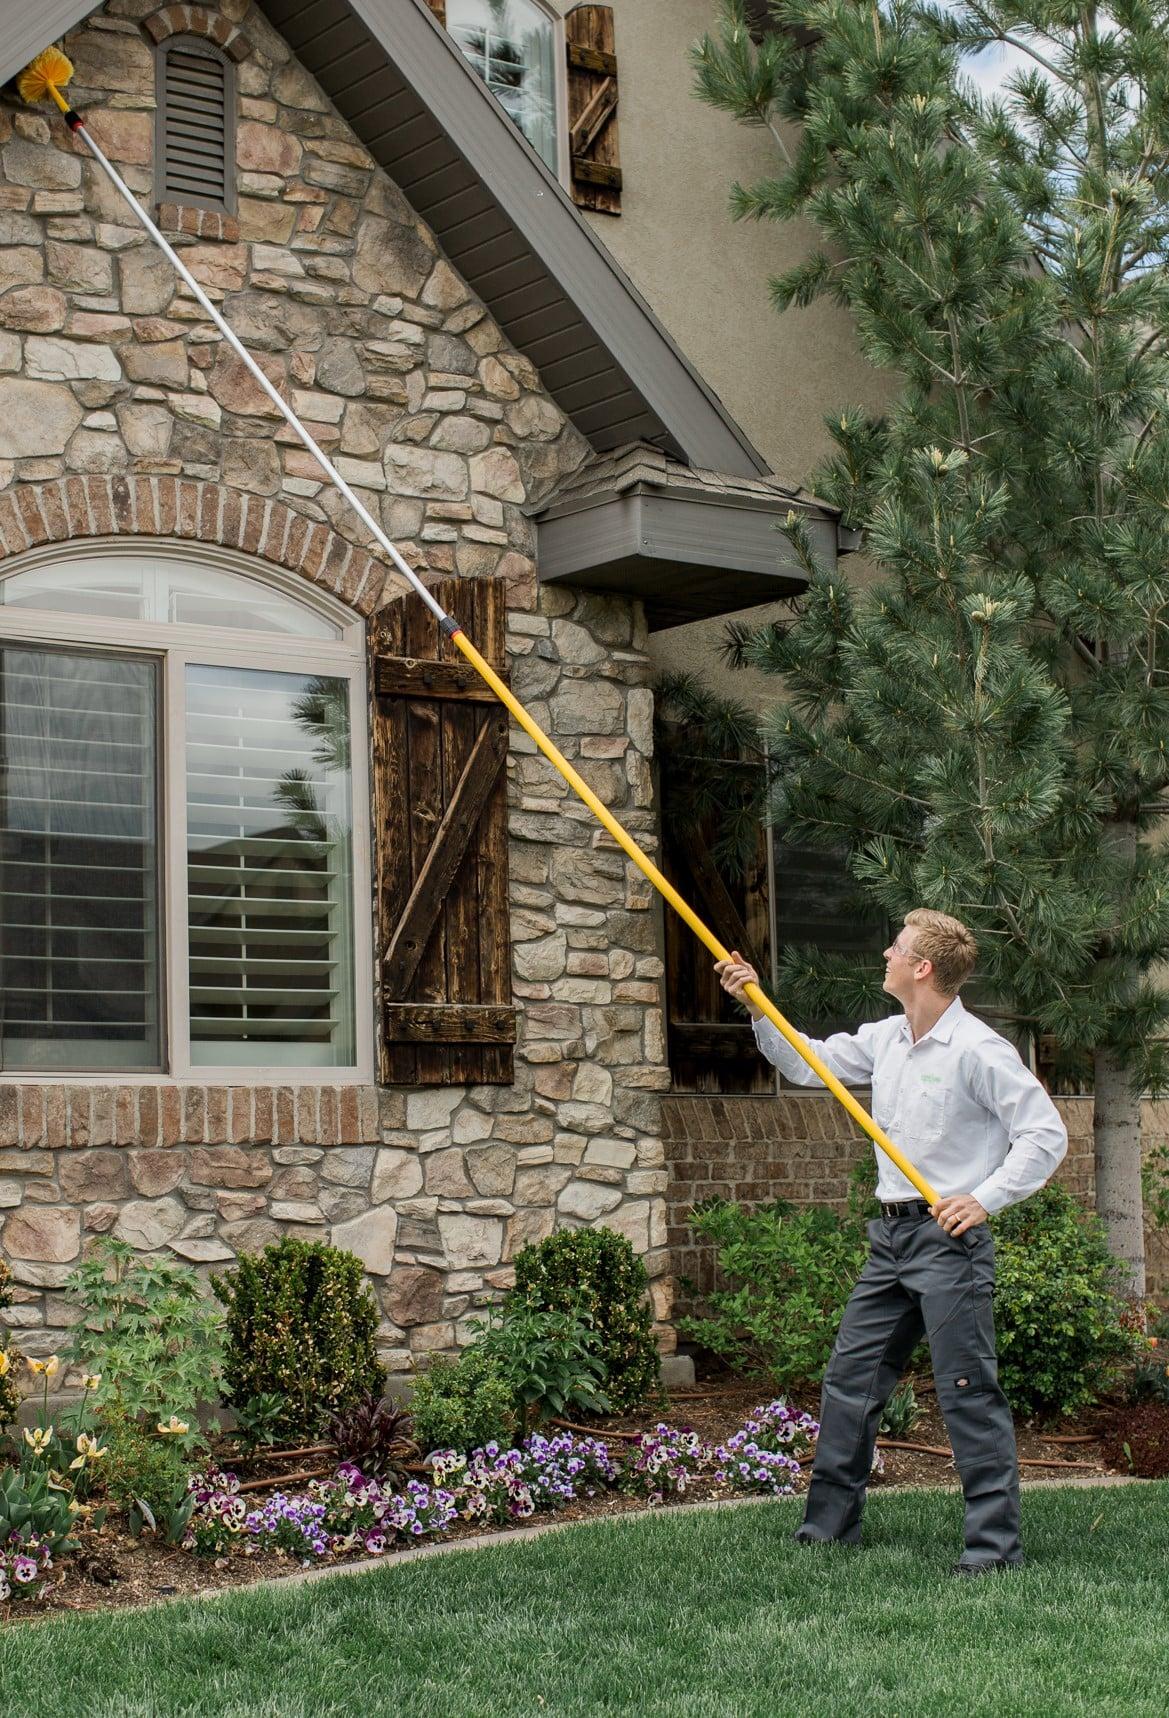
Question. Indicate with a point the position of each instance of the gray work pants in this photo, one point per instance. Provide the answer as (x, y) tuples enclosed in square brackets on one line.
[(919, 1280)]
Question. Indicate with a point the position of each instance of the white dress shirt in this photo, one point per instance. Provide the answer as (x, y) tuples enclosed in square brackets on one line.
[(959, 1103)]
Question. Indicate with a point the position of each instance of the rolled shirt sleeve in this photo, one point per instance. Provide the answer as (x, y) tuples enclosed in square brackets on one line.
[(848, 1055), (1038, 1137)]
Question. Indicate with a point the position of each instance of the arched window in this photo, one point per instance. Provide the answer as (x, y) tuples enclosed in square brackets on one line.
[(183, 833), (512, 44), (195, 127)]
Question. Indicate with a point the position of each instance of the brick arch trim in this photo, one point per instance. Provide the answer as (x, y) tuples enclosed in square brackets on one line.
[(191, 509), (185, 20)]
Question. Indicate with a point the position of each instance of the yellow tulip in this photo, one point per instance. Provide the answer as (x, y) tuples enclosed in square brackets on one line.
[(5, 1363), (39, 1440), (91, 1380), (45, 1368), (174, 1427)]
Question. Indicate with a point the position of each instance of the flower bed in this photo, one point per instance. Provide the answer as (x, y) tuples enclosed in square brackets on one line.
[(237, 1536), (493, 1486), (346, 1513)]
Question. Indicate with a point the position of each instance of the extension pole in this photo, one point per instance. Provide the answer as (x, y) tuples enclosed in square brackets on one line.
[(459, 638)]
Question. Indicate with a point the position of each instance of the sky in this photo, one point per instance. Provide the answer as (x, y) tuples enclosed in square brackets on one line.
[(989, 68)]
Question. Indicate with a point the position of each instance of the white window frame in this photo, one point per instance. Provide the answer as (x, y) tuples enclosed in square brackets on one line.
[(555, 16), (174, 646)]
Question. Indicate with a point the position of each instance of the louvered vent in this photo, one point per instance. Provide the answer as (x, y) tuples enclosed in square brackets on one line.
[(196, 121)]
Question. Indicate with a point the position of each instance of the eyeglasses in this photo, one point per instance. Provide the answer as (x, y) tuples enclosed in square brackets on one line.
[(906, 953)]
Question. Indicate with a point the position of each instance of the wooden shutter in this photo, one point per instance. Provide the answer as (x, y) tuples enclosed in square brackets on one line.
[(593, 146), (441, 816), (195, 126)]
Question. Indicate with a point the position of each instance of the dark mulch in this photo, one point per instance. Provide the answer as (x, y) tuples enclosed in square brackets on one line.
[(1137, 1441)]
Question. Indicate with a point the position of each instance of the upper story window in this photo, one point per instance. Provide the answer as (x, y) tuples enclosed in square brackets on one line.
[(182, 831), (195, 127), (512, 44)]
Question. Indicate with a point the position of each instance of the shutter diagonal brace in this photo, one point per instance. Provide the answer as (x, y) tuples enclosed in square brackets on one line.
[(596, 114), (459, 820), (52, 68)]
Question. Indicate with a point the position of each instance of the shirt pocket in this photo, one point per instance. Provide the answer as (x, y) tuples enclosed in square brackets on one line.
[(926, 1109)]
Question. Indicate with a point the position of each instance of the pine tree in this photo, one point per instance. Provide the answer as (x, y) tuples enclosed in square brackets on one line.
[(984, 728)]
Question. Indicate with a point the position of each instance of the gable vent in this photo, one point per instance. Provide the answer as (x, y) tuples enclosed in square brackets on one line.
[(196, 125)]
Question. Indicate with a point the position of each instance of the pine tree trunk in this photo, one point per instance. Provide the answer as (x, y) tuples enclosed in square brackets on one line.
[(1117, 1131)]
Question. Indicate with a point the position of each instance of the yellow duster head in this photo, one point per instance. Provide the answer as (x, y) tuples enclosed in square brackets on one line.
[(47, 75)]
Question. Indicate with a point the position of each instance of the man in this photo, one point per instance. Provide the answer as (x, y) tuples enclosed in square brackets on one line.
[(979, 1127)]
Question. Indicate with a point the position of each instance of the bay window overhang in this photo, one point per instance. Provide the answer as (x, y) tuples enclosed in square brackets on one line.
[(690, 544)]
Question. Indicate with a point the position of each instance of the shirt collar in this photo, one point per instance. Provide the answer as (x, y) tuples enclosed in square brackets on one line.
[(943, 1027)]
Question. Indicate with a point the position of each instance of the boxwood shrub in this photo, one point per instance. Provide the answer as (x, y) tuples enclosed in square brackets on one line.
[(596, 1273), (1064, 1330), (463, 1404), (301, 1325)]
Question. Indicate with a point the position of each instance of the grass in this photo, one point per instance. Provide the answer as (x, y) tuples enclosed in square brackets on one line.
[(674, 1615)]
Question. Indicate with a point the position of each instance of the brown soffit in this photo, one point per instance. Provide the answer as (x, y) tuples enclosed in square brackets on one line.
[(25, 29), (509, 228)]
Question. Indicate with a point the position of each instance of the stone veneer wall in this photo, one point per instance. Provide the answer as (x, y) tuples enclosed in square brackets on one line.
[(125, 415), (803, 1147)]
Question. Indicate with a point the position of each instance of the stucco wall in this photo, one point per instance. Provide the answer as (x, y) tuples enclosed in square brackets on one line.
[(705, 276)]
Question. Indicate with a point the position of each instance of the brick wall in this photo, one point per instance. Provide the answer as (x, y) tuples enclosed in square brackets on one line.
[(802, 1146)]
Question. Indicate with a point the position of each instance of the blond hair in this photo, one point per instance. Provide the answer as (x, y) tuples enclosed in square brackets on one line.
[(947, 944)]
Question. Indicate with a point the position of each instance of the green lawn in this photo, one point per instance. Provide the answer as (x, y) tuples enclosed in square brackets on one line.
[(674, 1614)]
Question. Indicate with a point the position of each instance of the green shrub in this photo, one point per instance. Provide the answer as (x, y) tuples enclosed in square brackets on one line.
[(552, 1361), (1155, 1186), (1063, 1329), (595, 1274), (789, 1273), (140, 1465), (301, 1325), (901, 1412), (462, 1404)]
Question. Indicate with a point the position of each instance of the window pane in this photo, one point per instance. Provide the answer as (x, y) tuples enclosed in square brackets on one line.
[(169, 592), (511, 44), (270, 869), (79, 947)]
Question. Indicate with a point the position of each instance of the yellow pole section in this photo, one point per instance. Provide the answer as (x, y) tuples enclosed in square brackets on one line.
[(666, 889), (581, 788)]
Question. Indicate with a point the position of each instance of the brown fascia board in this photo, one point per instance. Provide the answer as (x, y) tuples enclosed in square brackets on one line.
[(509, 228)]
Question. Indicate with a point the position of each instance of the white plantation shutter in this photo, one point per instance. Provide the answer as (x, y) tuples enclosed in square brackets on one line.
[(270, 868), (195, 145), (175, 728), (79, 961)]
